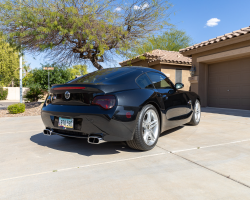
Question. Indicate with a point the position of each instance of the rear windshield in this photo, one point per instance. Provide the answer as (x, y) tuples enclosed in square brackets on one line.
[(102, 76)]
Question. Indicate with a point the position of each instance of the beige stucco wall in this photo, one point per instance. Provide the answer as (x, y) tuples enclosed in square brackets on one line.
[(14, 92), (171, 69), (202, 67)]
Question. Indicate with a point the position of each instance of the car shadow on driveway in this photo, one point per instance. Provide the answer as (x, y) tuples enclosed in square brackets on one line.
[(80, 146), (171, 131)]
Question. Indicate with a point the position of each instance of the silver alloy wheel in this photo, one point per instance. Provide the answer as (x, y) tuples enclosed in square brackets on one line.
[(197, 111), (150, 127)]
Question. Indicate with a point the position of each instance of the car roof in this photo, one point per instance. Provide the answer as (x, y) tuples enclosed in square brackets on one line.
[(123, 72), (144, 69)]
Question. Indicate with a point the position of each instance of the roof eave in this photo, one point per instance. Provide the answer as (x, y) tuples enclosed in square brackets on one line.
[(173, 63), (124, 63), (189, 53)]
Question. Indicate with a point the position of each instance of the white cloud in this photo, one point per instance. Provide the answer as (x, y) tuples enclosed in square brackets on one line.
[(145, 5), (118, 9), (137, 7), (213, 22)]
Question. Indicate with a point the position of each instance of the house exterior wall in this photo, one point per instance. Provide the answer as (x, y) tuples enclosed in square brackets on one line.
[(201, 59), (171, 69)]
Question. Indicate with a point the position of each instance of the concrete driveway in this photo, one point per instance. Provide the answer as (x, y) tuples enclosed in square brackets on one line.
[(209, 161)]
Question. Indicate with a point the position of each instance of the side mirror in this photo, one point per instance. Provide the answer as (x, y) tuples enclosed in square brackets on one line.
[(179, 86)]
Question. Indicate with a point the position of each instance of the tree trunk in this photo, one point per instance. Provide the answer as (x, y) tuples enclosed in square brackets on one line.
[(96, 64)]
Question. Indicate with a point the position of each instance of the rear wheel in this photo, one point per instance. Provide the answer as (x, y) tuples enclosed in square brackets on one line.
[(197, 114), (147, 129)]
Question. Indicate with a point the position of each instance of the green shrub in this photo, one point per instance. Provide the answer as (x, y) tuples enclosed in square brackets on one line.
[(16, 108), (35, 93), (3, 93)]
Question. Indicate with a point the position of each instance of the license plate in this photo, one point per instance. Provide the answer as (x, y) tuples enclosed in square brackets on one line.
[(65, 122)]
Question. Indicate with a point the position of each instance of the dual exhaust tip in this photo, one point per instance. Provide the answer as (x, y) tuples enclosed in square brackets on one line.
[(95, 139), (47, 132), (92, 139)]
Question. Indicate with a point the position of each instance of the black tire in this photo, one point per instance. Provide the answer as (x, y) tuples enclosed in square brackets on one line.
[(138, 141), (194, 120)]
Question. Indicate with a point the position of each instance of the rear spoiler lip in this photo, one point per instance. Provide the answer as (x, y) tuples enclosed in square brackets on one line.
[(76, 88), (79, 84), (69, 88)]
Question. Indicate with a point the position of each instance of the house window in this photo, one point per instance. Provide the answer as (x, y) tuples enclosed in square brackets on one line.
[(178, 76)]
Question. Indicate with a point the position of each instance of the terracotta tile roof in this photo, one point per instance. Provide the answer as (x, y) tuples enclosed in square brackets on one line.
[(163, 56), (227, 36)]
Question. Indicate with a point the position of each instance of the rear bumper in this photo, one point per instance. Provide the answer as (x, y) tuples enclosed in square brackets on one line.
[(91, 120)]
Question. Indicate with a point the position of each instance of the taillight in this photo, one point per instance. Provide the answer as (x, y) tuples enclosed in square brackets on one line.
[(106, 102)]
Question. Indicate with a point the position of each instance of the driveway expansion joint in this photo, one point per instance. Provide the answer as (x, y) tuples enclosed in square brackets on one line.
[(226, 176)]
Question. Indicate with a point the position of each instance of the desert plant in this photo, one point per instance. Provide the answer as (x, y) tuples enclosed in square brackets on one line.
[(3, 93), (16, 108), (35, 93)]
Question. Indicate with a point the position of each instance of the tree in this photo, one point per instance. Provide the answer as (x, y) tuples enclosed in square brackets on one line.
[(71, 31), (172, 40), (9, 63), (78, 70), (26, 69), (59, 75)]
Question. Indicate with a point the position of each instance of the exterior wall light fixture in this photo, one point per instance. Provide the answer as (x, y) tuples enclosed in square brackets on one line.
[(192, 71)]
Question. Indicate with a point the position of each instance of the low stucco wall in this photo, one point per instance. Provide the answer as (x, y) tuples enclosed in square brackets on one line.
[(14, 92)]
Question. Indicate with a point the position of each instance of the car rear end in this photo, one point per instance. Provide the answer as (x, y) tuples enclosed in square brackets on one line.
[(89, 108)]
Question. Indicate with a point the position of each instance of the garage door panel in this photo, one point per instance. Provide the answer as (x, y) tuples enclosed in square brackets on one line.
[(222, 102), (229, 84), (214, 102), (245, 77), (234, 103), (223, 92), (234, 78), (245, 91), (223, 80), (234, 91), (213, 80), (244, 104)]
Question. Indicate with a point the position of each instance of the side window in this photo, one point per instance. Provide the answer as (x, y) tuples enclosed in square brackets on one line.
[(160, 81), (144, 82), (178, 76)]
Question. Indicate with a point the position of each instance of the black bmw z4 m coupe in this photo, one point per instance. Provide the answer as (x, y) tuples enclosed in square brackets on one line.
[(131, 104)]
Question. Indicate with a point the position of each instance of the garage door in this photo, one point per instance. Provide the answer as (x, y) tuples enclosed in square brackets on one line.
[(229, 84)]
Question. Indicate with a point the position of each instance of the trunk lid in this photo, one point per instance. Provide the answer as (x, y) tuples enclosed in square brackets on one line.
[(74, 94)]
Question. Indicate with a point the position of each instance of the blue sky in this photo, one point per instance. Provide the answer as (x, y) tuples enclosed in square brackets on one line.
[(201, 19)]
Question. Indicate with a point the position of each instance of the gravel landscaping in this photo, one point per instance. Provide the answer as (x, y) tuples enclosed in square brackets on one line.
[(32, 109)]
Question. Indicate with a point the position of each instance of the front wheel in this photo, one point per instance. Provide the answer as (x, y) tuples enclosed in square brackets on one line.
[(196, 114), (147, 129)]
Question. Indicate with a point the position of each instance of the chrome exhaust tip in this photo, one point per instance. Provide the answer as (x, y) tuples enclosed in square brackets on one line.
[(47, 132), (94, 139)]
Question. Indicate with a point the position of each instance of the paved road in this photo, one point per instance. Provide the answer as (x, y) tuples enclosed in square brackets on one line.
[(4, 104), (210, 161)]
